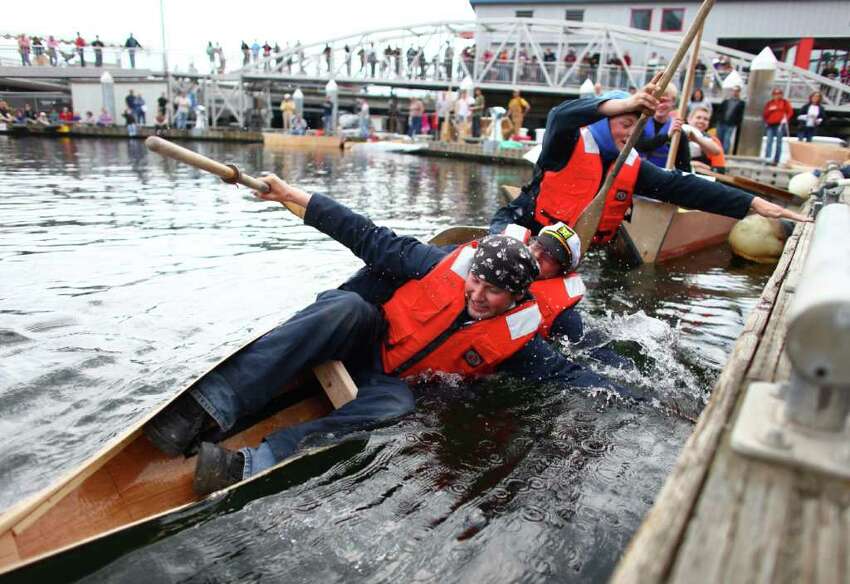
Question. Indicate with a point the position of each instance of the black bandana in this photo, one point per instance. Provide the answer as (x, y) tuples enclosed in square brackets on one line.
[(505, 262)]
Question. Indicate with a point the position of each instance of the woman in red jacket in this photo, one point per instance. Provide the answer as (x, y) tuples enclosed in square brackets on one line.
[(776, 114)]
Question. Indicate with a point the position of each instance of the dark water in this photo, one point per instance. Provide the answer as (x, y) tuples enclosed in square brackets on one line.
[(123, 276)]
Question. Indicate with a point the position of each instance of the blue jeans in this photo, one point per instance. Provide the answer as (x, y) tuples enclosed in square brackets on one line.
[(180, 120), (806, 133), (364, 127), (341, 326), (415, 125), (724, 134), (776, 133)]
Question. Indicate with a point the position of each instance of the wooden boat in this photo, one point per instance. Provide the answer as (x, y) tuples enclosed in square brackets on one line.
[(659, 231), (129, 482)]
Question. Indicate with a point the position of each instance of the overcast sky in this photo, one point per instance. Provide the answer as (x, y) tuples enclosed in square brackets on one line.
[(190, 25)]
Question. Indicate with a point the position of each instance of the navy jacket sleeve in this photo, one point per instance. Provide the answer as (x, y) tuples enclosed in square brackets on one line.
[(692, 192), (561, 137), (568, 324), (537, 361), (387, 254)]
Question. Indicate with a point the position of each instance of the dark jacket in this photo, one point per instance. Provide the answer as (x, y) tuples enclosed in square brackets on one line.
[(671, 186), (392, 260), (733, 109)]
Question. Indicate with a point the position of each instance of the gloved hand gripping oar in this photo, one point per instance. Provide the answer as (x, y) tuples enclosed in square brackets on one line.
[(588, 222), (229, 173), (332, 375)]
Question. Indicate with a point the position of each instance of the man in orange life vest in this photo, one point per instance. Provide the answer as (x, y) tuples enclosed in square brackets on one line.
[(465, 312), (583, 138), (558, 287)]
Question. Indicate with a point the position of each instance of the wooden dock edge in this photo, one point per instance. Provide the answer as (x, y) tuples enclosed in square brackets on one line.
[(652, 551)]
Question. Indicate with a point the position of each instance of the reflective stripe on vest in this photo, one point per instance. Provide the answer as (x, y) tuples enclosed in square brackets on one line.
[(518, 232), (554, 296), (565, 193), (424, 334)]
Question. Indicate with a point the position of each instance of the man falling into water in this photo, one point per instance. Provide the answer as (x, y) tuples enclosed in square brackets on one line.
[(467, 312)]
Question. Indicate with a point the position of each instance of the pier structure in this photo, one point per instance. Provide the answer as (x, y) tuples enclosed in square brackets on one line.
[(546, 59), (761, 489)]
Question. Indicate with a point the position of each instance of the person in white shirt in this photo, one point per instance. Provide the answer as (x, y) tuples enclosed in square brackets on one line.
[(810, 117)]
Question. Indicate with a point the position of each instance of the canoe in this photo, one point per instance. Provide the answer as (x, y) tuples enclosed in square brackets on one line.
[(129, 482), (659, 231)]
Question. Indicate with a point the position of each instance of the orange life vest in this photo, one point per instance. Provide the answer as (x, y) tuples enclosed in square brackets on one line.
[(421, 337), (565, 193), (556, 295), (719, 160)]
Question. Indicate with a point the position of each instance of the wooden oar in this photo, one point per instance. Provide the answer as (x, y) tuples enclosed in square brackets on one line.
[(333, 376), (588, 222), (683, 102), (229, 173)]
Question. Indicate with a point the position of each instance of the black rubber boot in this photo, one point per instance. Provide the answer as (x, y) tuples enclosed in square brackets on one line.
[(217, 468), (175, 428)]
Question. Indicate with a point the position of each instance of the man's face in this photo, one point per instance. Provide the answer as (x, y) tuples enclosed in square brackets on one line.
[(549, 266), (485, 300), (700, 120), (777, 94), (622, 128), (665, 106)]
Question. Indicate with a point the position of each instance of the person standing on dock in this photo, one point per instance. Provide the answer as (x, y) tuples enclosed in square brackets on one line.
[(730, 114), (812, 115), (80, 44), (24, 50), (776, 114), (583, 138), (478, 106), (287, 110), (97, 46), (53, 51), (132, 45), (518, 107), (466, 313)]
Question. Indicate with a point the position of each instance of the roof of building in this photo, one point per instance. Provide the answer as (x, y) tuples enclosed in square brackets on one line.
[(475, 3)]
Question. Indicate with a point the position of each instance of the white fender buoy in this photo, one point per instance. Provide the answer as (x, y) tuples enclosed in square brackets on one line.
[(758, 239), (802, 184), (586, 89)]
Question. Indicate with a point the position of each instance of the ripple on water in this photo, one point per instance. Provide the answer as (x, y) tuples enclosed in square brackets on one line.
[(133, 274)]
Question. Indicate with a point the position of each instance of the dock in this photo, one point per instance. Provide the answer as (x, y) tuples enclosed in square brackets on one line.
[(120, 132), (727, 516)]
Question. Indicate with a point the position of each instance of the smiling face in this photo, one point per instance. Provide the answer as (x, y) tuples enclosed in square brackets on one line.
[(622, 128), (484, 300), (700, 119)]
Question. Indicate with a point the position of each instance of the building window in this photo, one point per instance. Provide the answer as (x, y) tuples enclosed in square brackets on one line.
[(641, 18), (672, 19), (575, 15), (524, 13)]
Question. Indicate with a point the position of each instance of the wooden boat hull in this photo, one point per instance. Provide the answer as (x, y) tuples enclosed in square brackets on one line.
[(129, 482), (659, 231)]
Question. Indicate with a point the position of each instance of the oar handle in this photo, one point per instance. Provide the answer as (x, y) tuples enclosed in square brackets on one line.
[(229, 173)]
